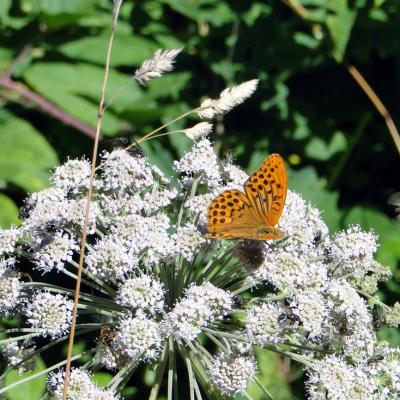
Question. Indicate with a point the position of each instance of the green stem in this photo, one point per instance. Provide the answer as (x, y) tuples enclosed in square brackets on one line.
[(43, 372), (159, 374), (171, 372)]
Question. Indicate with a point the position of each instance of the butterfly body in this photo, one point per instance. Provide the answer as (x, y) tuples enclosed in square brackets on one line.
[(251, 214)]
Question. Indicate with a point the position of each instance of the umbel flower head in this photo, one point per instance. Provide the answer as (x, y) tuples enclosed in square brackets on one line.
[(156, 291)]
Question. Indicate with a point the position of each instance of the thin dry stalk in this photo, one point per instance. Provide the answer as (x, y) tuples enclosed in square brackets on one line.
[(298, 8), (89, 198), (376, 101)]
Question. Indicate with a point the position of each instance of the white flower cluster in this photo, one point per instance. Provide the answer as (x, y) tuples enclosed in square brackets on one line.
[(232, 373), (153, 284), (81, 386), (200, 306), (50, 314)]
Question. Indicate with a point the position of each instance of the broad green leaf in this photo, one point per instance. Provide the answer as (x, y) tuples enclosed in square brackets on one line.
[(5, 58), (75, 88), (127, 49), (340, 24), (25, 155), (31, 390), (312, 188), (8, 212), (318, 149), (168, 85), (54, 7), (306, 40), (4, 10), (102, 378), (212, 11)]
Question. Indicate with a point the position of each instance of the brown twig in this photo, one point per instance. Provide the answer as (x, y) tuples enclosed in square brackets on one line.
[(117, 5), (298, 8), (8, 83), (376, 101)]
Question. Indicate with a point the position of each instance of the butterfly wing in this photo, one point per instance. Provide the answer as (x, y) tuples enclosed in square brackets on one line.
[(266, 190), (230, 216)]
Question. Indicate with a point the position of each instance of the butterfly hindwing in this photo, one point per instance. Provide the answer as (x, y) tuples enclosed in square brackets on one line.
[(266, 190), (229, 215)]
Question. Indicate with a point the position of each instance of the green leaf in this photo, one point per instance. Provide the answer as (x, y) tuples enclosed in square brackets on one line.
[(102, 378), (216, 12), (25, 155), (75, 88), (313, 189), (340, 24), (127, 49), (32, 390), (8, 212), (54, 7), (318, 149)]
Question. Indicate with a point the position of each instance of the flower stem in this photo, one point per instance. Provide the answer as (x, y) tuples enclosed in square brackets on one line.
[(117, 6)]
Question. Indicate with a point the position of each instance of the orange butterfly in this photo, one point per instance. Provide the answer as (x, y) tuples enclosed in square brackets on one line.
[(253, 214)]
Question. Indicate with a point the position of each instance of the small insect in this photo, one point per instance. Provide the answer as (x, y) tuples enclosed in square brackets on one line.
[(289, 315), (106, 335), (238, 301), (375, 359), (122, 143), (254, 213)]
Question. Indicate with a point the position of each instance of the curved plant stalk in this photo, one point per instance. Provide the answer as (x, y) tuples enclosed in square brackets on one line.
[(117, 5)]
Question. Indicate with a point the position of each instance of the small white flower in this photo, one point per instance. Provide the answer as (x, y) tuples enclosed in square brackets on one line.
[(333, 379), (6, 265), (8, 240), (188, 240), (302, 225), (139, 338), (55, 253), (149, 234), (286, 270), (198, 131), (200, 160), (228, 99), (235, 176), (262, 323), (354, 249), (74, 215), (109, 259), (219, 301), (158, 199), (199, 205), (143, 292), (49, 313), (162, 61), (72, 176), (10, 289), (187, 318), (80, 386), (122, 171), (15, 353), (313, 311), (232, 373), (44, 207)]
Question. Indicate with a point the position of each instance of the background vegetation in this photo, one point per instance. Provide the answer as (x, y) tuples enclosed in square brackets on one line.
[(308, 107)]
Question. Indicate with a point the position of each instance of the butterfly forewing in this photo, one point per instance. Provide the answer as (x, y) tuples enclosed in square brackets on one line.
[(253, 214), (266, 190)]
